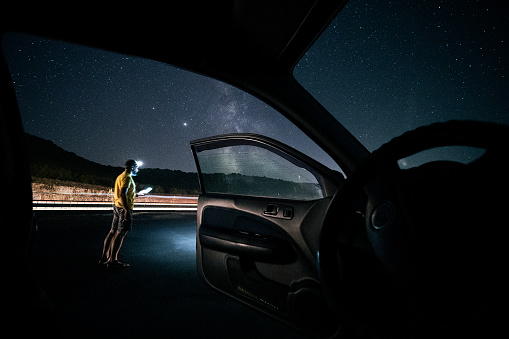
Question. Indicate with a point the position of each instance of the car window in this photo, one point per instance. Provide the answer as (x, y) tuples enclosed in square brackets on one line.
[(108, 107), (386, 67), (248, 168)]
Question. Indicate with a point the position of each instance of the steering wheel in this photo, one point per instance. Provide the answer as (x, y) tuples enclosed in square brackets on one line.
[(398, 247)]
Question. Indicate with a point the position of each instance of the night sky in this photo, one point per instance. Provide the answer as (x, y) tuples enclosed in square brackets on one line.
[(108, 107), (386, 67), (378, 68)]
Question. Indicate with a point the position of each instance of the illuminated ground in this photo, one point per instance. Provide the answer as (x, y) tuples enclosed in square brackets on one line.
[(160, 295)]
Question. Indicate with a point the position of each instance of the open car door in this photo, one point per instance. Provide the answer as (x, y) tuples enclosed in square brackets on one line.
[(258, 223)]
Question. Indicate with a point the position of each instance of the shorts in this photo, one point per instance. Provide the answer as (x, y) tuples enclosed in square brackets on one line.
[(120, 223)]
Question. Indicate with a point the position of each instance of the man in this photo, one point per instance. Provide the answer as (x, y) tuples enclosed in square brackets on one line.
[(125, 191)]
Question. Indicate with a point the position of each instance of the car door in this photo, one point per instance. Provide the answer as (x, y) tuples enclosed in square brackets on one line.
[(259, 217)]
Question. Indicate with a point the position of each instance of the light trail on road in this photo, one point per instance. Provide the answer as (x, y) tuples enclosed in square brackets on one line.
[(69, 205)]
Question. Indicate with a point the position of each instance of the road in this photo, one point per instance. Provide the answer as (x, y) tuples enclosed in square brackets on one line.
[(160, 295)]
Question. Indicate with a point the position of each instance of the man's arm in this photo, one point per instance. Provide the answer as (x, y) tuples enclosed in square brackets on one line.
[(123, 196)]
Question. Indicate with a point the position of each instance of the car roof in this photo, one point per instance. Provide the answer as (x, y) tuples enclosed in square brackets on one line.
[(229, 40)]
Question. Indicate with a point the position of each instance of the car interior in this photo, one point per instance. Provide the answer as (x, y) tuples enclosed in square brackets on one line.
[(374, 251)]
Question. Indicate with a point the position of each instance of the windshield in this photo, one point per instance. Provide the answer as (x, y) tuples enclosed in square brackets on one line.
[(383, 68)]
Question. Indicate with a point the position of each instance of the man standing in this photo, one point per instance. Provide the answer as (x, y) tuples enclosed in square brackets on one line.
[(125, 190)]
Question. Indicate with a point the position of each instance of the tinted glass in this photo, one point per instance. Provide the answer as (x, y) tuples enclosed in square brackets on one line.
[(256, 171)]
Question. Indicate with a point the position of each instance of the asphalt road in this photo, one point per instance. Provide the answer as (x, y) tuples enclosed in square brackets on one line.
[(159, 296)]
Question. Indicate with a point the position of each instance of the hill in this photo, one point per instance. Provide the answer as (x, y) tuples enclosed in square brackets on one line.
[(50, 161)]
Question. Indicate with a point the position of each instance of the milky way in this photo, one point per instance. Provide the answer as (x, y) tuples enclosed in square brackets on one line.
[(381, 68), (108, 107)]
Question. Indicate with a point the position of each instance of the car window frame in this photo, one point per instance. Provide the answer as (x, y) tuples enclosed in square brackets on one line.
[(329, 180)]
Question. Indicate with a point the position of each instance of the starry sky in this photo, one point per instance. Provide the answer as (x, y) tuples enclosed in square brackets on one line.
[(378, 68), (385, 67), (108, 107)]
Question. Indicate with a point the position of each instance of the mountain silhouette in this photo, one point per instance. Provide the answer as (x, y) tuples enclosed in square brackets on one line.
[(47, 160)]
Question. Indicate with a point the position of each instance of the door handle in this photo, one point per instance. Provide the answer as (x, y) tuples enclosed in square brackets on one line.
[(271, 209)]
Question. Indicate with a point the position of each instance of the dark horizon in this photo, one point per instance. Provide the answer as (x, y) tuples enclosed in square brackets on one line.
[(119, 167), (50, 161)]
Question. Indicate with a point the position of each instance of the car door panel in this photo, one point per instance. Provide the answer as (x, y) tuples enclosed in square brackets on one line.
[(262, 261), (261, 250), (243, 234)]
